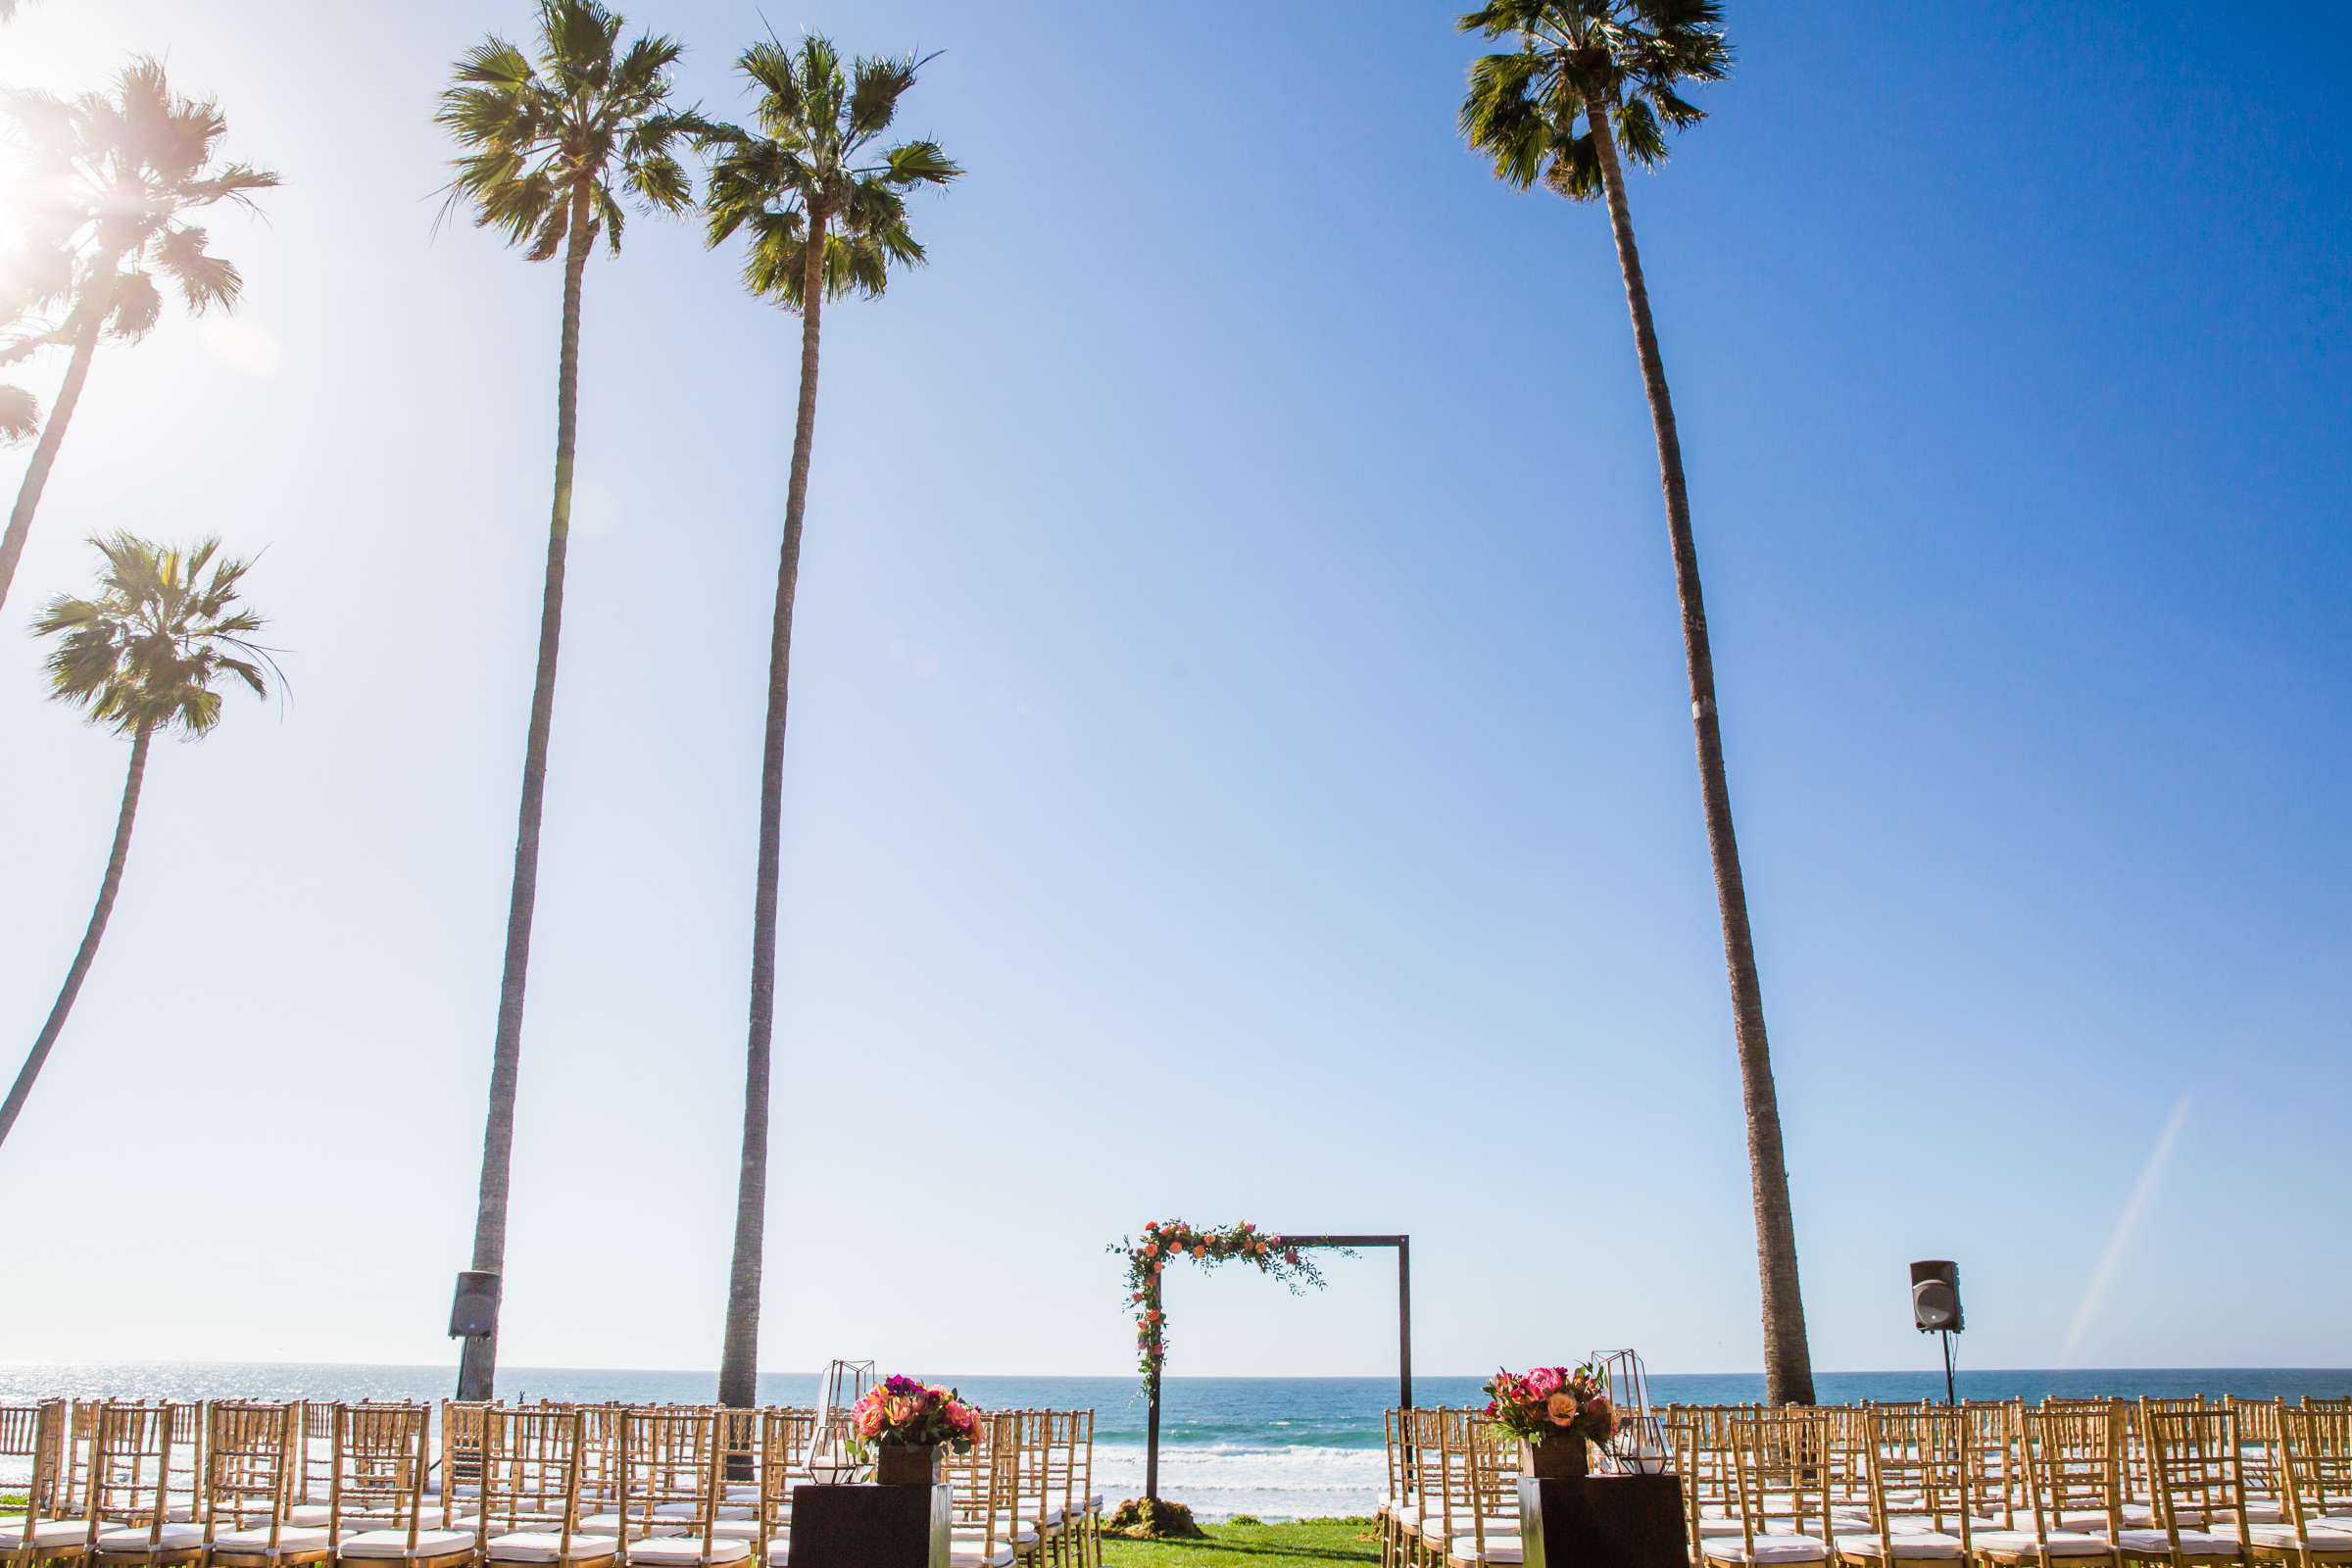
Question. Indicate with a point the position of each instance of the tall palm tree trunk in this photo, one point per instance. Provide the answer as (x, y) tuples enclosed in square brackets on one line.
[(478, 1366), (1787, 1363), (739, 1355), (53, 435), (21, 1089)]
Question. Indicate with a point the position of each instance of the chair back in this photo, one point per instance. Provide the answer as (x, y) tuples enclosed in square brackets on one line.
[(984, 1487), (669, 1475), (249, 1466), (2071, 1458), (531, 1472), (375, 1477), (1781, 1465), (2195, 1470), (35, 1434), (1922, 1466), (2315, 1462), (135, 1466)]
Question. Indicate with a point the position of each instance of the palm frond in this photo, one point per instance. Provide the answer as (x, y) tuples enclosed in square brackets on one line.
[(147, 650), (19, 415), (798, 172)]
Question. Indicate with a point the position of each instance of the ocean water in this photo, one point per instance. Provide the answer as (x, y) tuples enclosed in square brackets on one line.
[(1278, 1448)]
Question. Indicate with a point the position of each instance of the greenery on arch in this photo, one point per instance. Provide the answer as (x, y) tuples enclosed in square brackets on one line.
[(1170, 1240)]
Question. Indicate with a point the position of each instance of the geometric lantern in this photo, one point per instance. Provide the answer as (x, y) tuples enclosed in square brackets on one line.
[(833, 1449), (1640, 1445)]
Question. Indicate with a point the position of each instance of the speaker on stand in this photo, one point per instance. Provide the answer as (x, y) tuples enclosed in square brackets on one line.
[(1935, 1310)]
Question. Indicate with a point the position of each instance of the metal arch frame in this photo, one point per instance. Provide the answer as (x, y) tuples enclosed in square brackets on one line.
[(1403, 1245)]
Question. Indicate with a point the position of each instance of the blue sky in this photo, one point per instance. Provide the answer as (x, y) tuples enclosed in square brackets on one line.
[(1240, 765)]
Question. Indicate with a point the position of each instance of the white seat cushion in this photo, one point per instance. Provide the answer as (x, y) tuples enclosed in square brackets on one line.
[(45, 1532), (609, 1523), (394, 1543), (2193, 1544), (309, 1514), (547, 1545), (1094, 1501), (2136, 1516), (255, 1541), (1918, 1545), (2063, 1542), (676, 1549), (1769, 1549), (737, 1529), (1923, 1524), (2321, 1540), (138, 1538), (1499, 1549), (976, 1554), (778, 1549)]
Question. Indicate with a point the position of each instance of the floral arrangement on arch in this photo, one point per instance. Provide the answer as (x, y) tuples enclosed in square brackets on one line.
[(902, 1413), (1552, 1402), (1167, 1241)]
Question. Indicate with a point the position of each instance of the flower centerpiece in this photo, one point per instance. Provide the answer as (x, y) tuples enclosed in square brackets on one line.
[(1554, 1412), (908, 1423)]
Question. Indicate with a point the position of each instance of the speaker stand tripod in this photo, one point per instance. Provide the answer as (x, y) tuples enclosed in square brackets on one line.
[(1950, 1396)]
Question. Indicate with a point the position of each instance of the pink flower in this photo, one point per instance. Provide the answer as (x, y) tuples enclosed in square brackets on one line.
[(1544, 1381)]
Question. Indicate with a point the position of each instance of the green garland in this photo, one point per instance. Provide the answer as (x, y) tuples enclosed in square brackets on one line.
[(1165, 1240)]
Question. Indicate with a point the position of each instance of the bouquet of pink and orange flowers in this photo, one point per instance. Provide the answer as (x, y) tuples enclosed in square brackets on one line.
[(902, 1412), (1552, 1402)]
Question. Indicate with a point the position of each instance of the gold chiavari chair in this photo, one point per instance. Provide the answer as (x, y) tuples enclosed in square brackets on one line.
[(1992, 1437), (671, 1480), (43, 1532), (132, 1491), (739, 1458), (1781, 1467), (984, 1485), (2067, 1459), (2258, 1457), (1392, 1511), (1438, 1485), (252, 1458), (1087, 1526), (317, 1457), (1031, 1531), (784, 1440), (377, 1501), (2315, 1460), (530, 1503), (462, 1422), (1490, 1458), (1920, 1465), (2195, 1480), (1060, 1496)]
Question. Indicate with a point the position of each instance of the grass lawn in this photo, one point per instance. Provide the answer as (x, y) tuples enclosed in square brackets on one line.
[(1309, 1544)]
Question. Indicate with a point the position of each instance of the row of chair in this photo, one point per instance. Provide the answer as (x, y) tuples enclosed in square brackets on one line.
[(2180, 1482), (240, 1484)]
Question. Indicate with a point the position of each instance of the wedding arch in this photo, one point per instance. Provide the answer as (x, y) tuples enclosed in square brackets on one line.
[(1284, 1258)]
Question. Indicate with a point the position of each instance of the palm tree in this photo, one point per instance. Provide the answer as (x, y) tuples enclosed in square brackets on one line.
[(826, 212), (1588, 77), (116, 178), (141, 656), (551, 144)]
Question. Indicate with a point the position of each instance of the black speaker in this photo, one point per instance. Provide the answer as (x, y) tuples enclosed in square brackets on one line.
[(1935, 1295), (475, 1309)]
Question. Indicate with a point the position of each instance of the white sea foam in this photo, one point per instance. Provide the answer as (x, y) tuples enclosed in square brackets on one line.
[(1220, 1479)]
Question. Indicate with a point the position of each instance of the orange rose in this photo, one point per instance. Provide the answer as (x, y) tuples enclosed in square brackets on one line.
[(1560, 1410)]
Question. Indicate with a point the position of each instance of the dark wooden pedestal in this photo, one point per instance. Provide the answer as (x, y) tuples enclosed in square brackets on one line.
[(869, 1527), (1597, 1522)]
